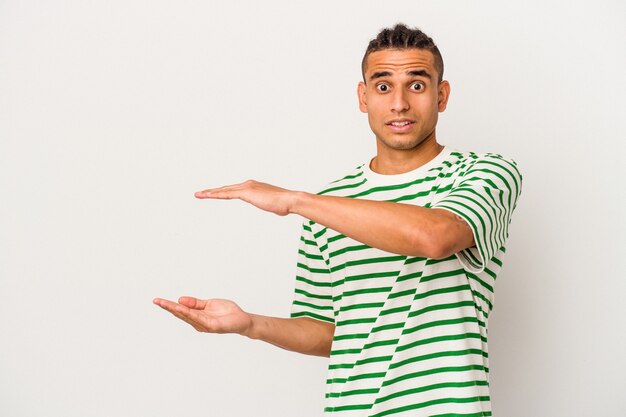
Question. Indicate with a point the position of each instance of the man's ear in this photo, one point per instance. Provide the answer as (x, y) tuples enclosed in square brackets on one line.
[(443, 95), (361, 89)]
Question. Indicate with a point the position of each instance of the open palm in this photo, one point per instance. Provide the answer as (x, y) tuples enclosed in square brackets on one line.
[(210, 316)]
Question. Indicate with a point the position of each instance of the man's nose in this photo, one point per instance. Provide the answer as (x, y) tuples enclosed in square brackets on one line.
[(399, 103)]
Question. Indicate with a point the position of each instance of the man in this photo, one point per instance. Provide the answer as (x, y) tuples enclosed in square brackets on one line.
[(397, 259)]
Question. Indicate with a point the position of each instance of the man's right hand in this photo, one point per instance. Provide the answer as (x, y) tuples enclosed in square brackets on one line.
[(300, 334), (210, 316)]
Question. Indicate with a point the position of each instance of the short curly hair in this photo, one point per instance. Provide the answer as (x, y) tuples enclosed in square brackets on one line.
[(403, 37)]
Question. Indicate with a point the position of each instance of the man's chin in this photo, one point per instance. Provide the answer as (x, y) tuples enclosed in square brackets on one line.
[(402, 144)]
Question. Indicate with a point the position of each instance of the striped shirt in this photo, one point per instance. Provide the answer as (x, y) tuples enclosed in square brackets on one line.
[(411, 332)]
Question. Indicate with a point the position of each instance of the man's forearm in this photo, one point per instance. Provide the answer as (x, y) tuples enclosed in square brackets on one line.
[(399, 228), (394, 227), (302, 334)]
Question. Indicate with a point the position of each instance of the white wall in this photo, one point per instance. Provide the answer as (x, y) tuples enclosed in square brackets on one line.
[(112, 113)]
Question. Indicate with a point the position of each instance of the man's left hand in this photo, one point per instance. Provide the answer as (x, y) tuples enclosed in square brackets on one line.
[(264, 196)]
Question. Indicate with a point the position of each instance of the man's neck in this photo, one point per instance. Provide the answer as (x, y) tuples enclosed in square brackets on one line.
[(393, 161)]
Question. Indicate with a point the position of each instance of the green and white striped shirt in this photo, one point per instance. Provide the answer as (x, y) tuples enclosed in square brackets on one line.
[(411, 332)]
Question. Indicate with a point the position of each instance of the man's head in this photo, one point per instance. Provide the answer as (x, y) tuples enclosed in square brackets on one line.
[(402, 37), (402, 90)]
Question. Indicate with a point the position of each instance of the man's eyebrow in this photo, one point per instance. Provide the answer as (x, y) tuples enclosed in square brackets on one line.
[(419, 73), (414, 73), (379, 74)]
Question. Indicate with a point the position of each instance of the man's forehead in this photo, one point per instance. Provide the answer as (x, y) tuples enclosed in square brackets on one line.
[(400, 60)]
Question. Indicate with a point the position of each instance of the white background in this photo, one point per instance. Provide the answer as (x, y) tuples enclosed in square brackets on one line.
[(112, 113)]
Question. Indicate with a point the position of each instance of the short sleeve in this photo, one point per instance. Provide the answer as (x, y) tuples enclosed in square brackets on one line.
[(313, 290), (485, 197)]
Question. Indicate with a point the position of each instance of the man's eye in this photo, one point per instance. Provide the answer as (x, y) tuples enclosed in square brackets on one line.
[(417, 86), (382, 88)]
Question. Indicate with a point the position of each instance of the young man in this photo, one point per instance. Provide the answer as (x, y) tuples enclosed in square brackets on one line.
[(397, 259)]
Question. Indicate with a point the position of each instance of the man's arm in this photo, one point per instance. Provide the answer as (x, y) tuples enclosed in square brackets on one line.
[(393, 227), (303, 335)]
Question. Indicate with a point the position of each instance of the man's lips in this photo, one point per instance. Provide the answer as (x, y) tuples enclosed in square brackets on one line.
[(400, 125)]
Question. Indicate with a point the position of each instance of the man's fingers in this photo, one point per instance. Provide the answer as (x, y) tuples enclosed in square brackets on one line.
[(161, 302), (194, 318), (192, 302), (186, 319), (182, 312), (218, 193), (168, 305), (173, 307), (227, 191), (223, 194)]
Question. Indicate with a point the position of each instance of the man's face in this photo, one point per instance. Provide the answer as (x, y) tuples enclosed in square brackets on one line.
[(402, 97)]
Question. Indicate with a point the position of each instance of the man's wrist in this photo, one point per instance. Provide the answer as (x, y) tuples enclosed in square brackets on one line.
[(252, 331), (298, 201)]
